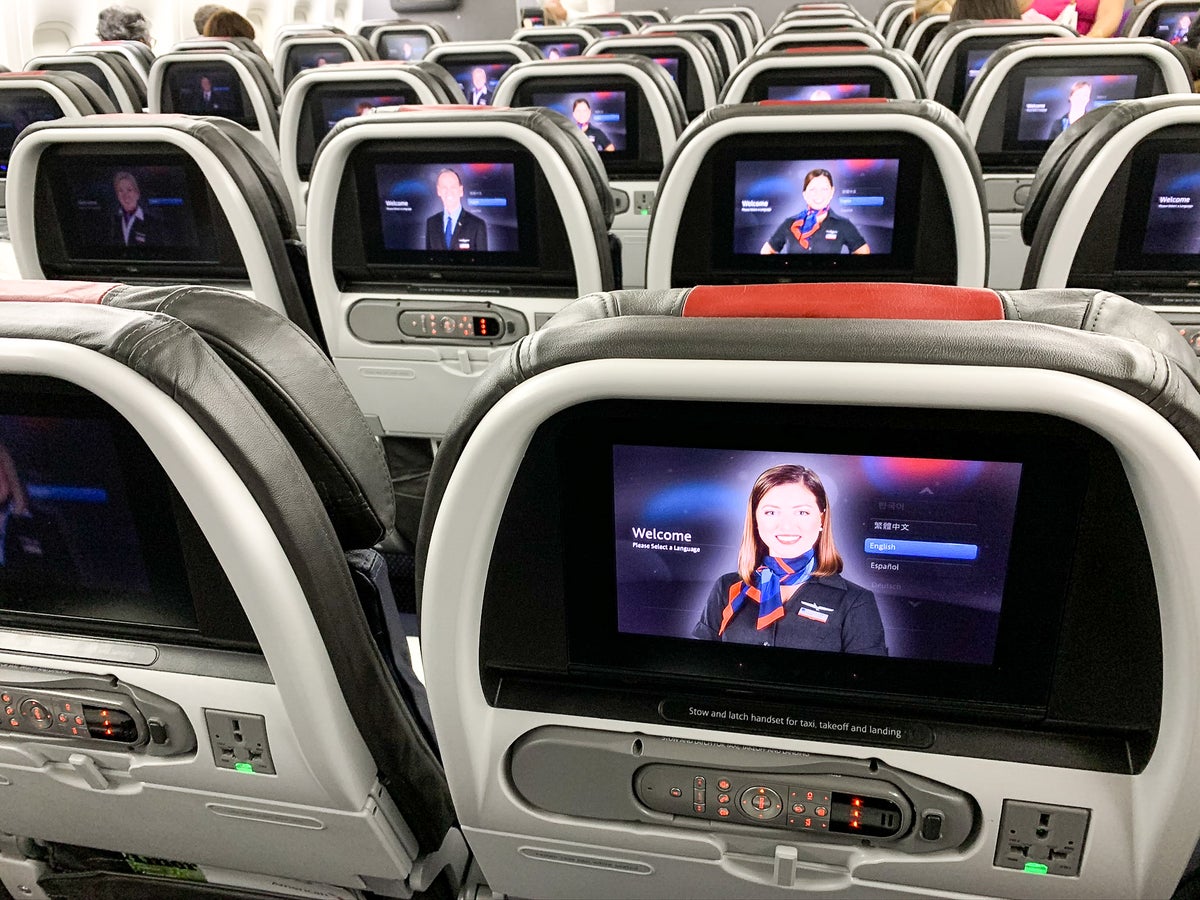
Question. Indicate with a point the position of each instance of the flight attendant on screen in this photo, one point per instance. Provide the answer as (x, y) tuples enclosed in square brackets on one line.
[(818, 229), (788, 590)]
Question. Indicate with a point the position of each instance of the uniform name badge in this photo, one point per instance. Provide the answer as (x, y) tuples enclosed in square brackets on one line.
[(814, 612)]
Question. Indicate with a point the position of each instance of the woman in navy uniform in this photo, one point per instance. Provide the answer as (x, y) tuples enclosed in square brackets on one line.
[(787, 591), (818, 229)]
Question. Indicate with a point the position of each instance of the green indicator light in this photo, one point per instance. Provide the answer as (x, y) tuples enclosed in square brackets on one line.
[(1035, 868), (247, 767), (645, 212)]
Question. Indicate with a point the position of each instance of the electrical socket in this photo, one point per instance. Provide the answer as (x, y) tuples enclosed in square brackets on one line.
[(1036, 835), (239, 740)]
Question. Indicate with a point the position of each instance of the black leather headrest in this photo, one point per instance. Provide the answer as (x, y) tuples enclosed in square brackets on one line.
[(288, 375)]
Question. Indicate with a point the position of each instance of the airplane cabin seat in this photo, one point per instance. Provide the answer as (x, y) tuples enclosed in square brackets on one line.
[(960, 50), (689, 59), (840, 73), (920, 35), (110, 71), (562, 40), (747, 14), (602, 739), (1160, 19), (716, 34), (1022, 101), (460, 58), (137, 53), (633, 104), (744, 35), (407, 41), (296, 52), (413, 316), (227, 465), (888, 13), (241, 89), (731, 189), (844, 38), (318, 98), (221, 210), (1110, 206)]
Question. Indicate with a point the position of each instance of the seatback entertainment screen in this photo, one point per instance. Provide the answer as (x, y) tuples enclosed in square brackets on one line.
[(1173, 26), (404, 47), (600, 115), (670, 63), (212, 90), (560, 49), (108, 211), (814, 206), (478, 80), (453, 208), (1172, 224), (69, 535), (976, 59), (881, 556), (817, 92), (1051, 103), (19, 109)]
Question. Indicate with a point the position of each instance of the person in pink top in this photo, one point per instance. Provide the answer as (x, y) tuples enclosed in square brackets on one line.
[(1097, 18)]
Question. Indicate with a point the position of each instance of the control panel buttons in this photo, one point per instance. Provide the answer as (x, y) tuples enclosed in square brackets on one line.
[(723, 784), (457, 326), (676, 792), (931, 827), (37, 714), (761, 803)]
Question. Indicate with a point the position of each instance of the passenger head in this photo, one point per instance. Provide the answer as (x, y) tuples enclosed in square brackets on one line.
[(202, 15), (787, 515), (985, 9), (449, 189), (128, 193), (818, 188), (924, 8), (581, 112), (122, 23), (227, 23)]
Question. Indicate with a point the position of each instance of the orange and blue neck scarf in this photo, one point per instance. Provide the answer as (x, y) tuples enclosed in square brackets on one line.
[(806, 225), (775, 573)]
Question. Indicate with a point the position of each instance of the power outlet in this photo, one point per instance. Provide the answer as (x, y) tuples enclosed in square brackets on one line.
[(1041, 839), (643, 202), (239, 741)]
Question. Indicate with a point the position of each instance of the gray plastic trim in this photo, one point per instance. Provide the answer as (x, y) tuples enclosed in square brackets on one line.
[(1093, 182), (774, 42), (265, 132), (124, 652), (293, 105), (514, 77), (22, 217), (735, 90), (965, 205), (1143, 828), (135, 59), (993, 75)]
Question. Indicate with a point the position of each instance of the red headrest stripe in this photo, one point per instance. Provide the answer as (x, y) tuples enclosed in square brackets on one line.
[(856, 47), (822, 102), (850, 300), (53, 291)]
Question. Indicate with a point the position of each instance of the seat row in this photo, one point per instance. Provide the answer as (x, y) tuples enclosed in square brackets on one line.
[(206, 694)]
